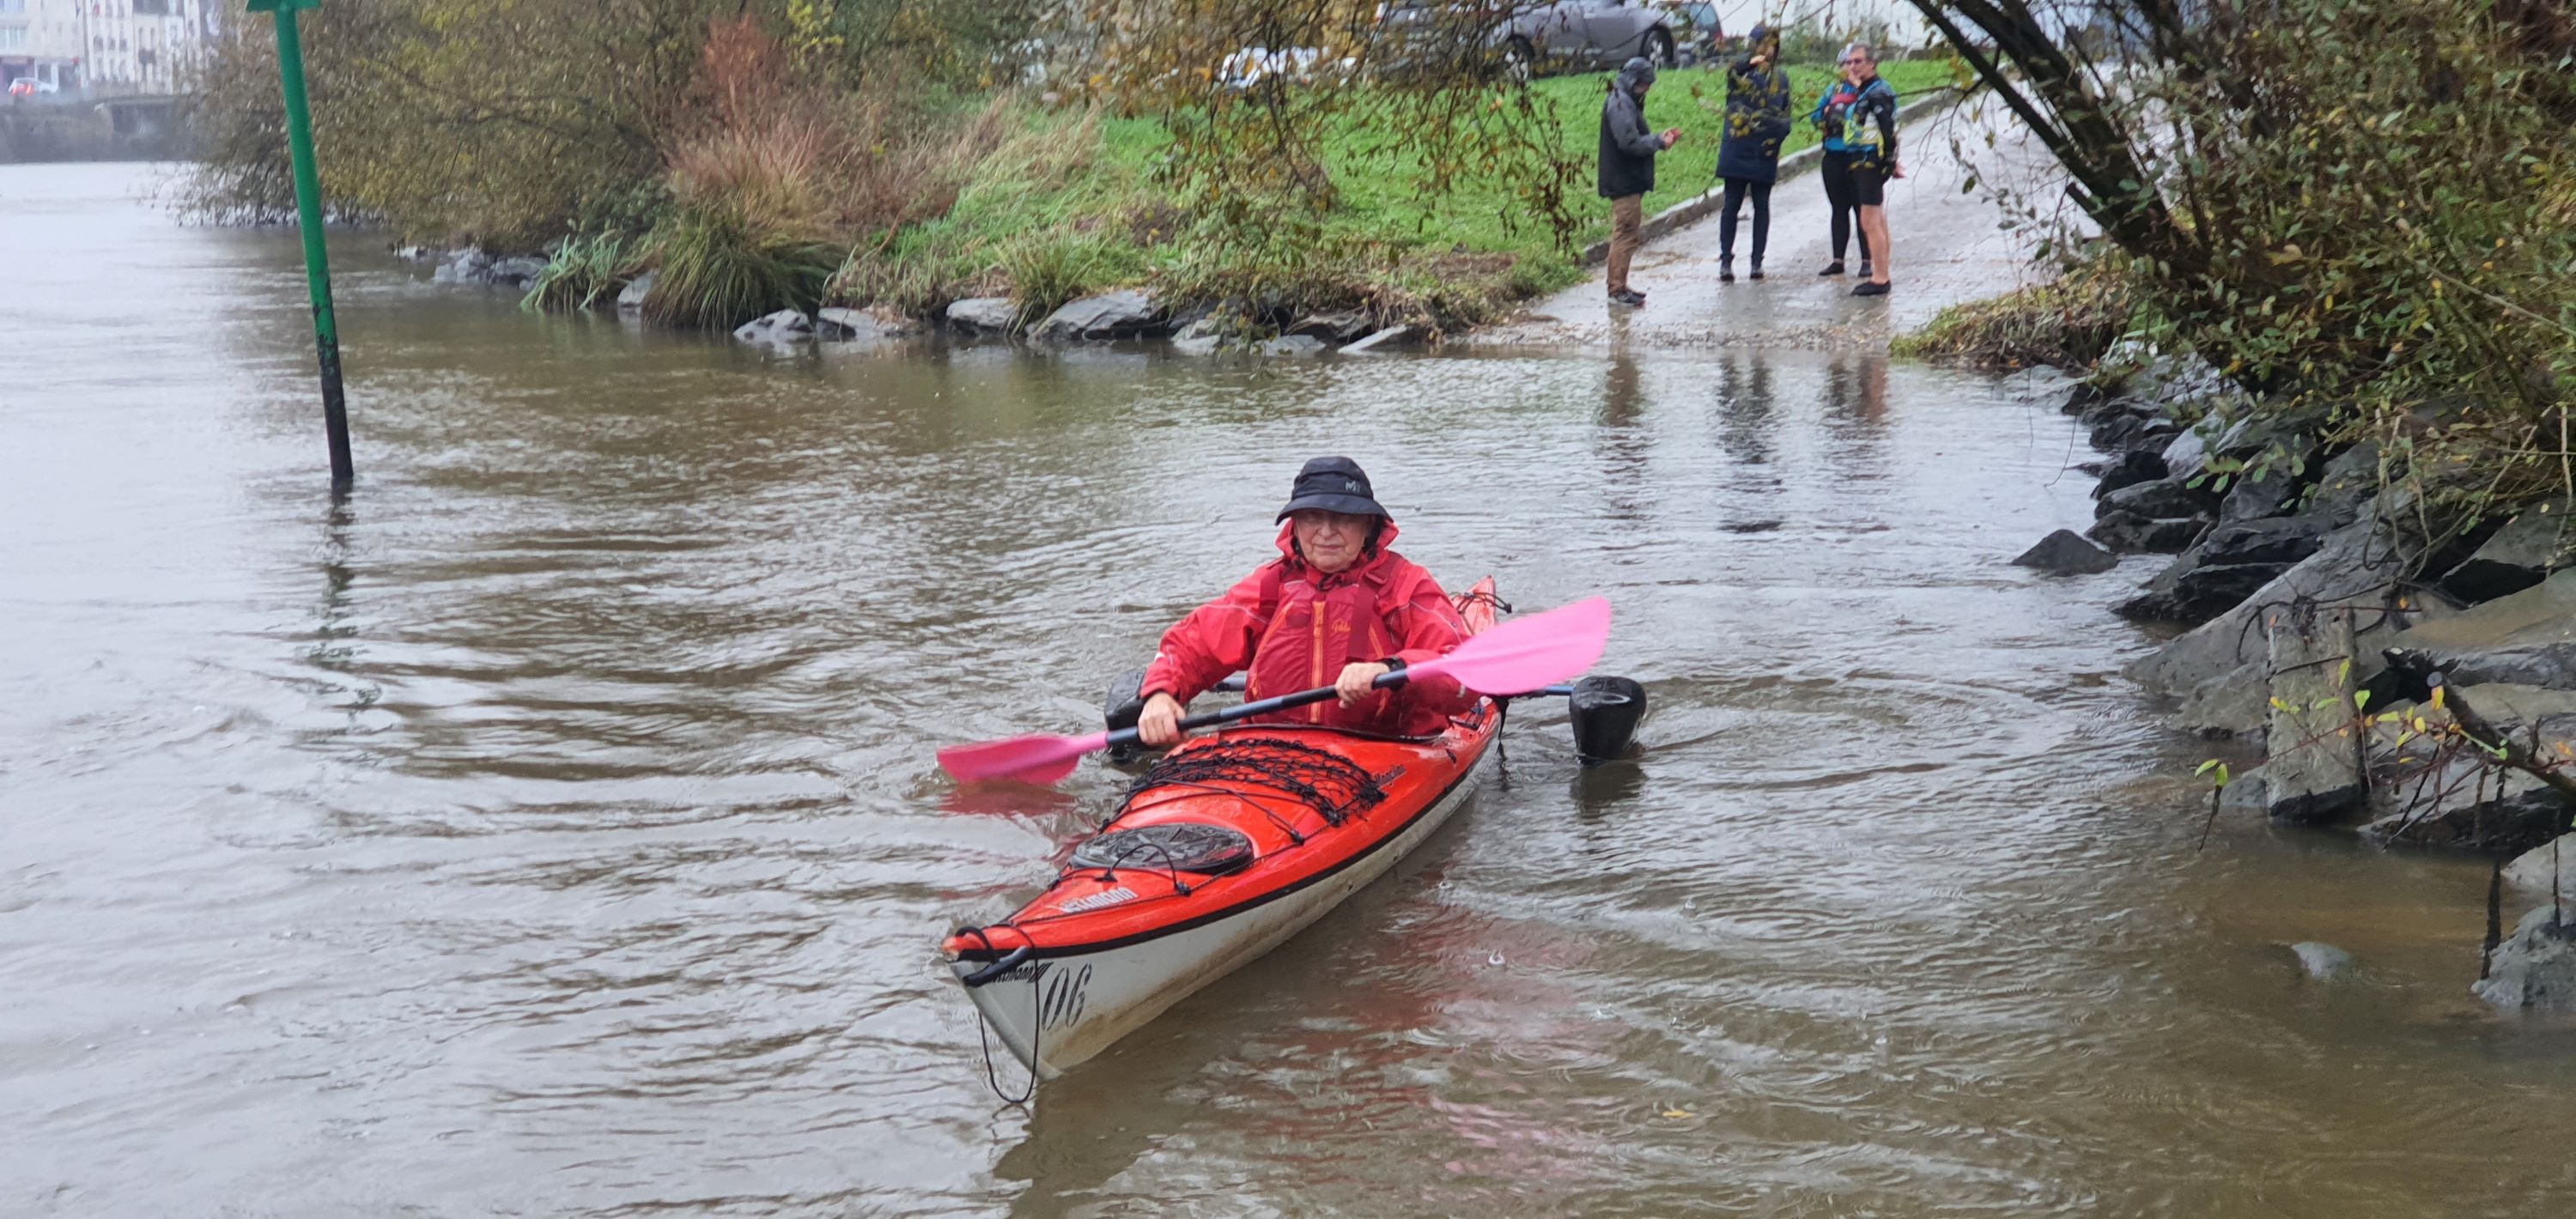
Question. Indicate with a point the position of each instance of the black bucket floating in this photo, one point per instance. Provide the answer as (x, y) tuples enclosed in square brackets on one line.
[(1605, 711), (1178, 846)]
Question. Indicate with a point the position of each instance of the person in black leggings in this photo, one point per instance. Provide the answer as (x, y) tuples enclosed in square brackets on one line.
[(1838, 195), (1757, 120), (1843, 151)]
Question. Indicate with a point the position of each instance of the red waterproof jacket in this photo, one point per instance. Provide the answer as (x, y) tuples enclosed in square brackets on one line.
[(1295, 628)]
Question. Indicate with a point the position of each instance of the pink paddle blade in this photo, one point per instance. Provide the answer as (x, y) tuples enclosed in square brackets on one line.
[(1524, 654), (1026, 759)]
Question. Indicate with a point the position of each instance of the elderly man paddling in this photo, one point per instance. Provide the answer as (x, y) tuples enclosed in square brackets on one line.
[(1335, 608), (1628, 168)]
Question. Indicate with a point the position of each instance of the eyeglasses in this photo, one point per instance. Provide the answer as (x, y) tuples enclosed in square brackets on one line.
[(1855, 59)]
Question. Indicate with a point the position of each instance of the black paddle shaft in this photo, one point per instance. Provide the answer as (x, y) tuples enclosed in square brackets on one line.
[(1131, 736), (1134, 736)]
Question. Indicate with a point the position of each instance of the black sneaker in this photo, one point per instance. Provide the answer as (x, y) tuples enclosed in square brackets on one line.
[(1871, 289), (1755, 273), (1632, 299), (1726, 268), (1832, 268)]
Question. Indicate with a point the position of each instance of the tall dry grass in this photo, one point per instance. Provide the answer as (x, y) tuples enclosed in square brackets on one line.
[(786, 178)]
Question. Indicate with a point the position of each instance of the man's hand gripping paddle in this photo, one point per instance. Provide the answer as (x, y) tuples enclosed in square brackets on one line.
[(1514, 657)]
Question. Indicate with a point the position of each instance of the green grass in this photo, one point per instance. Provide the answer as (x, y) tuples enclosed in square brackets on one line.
[(1089, 183)]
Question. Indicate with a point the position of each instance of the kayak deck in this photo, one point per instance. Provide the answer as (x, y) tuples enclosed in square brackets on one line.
[(1382, 785)]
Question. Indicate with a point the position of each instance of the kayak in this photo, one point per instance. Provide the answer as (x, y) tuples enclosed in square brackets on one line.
[(1229, 845)]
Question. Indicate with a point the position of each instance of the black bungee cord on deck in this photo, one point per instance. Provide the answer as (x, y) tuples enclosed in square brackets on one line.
[(1332, 785)]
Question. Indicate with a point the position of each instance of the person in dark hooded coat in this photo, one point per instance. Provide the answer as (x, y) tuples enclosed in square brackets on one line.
[(1628, 168), (1748, 162)]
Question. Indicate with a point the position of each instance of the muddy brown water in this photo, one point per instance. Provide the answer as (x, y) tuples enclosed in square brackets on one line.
[(551, 829)]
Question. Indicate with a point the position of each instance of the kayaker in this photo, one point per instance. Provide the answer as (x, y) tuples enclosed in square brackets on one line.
[(1337, 608)]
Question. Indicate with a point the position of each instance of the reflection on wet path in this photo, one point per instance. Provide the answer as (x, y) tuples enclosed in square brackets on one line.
[(551, 827)]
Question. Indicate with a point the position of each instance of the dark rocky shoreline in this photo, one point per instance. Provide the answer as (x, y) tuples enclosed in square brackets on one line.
[(1122, 315), (2407, 678)]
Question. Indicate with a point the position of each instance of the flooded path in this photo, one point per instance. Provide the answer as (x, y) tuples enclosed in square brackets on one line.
[(551, 828), (1952, 245)]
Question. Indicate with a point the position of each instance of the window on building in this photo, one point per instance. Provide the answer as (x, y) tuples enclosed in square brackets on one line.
[(153, 8), (12, 8), (12, 37)]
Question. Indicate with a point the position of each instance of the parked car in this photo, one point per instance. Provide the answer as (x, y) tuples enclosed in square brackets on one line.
[(1699, 36), (28, 86), (1304, 65), (1540, 36)]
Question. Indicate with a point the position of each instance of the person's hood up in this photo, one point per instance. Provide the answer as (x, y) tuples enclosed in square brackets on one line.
[(1371, 558), (1636, 74)]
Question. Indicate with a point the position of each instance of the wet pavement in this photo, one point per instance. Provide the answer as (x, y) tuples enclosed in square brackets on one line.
[(1951, 246)]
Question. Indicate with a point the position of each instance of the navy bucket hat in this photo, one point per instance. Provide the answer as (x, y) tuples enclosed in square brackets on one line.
[(1334, 484)]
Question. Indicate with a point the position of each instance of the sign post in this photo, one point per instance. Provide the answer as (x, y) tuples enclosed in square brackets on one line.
[(308, 212)]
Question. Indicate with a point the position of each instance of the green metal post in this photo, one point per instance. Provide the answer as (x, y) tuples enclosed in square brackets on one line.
[(308, 213)]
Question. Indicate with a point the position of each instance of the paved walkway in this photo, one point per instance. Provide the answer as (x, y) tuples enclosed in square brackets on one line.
[(1950, 247)]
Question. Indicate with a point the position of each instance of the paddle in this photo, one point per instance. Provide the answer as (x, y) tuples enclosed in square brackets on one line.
[(1512, 657)]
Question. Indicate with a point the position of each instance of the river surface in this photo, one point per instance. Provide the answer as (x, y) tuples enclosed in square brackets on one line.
[(550, 828)]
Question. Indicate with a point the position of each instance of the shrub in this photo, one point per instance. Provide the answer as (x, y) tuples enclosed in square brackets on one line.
[(1278, 275), (2068, 322), (502, 120), (578, 273), (756, 226), (718, 265), (2357, 206), (1050, 269), (976, 189)]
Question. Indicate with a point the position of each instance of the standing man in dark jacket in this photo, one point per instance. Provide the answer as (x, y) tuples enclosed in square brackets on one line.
[(1628, 168), (1757, 119)]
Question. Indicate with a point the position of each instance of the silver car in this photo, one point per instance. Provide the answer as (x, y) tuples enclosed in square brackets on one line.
[(1535, 36)]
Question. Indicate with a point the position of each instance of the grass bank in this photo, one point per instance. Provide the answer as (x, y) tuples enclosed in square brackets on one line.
[(1064, 204)]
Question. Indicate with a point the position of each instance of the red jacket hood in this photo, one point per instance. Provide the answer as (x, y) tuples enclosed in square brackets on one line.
[(1365, 569)]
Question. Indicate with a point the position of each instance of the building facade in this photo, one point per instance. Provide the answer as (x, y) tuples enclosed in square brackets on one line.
[(39, 40), (105, 47)]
